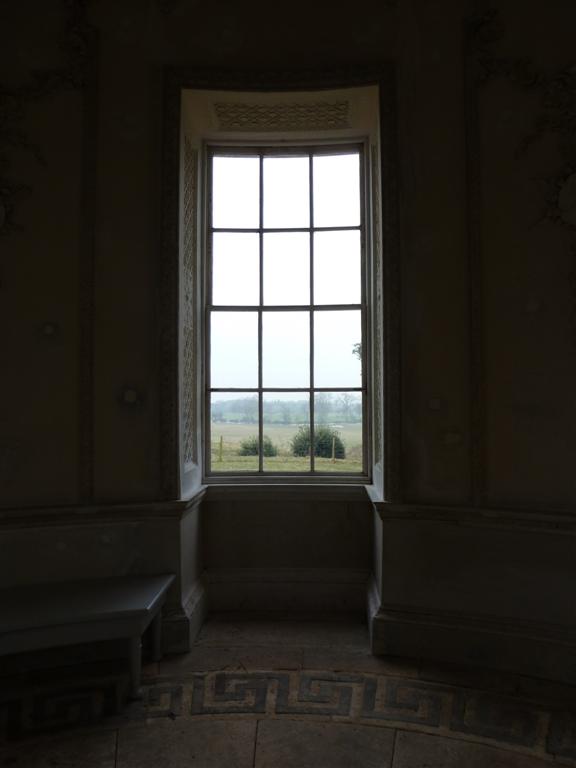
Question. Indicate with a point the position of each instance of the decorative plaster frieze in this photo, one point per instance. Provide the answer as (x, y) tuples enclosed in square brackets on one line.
[(322, 115)]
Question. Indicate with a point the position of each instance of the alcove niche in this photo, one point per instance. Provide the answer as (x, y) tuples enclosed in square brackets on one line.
[(275, 544)]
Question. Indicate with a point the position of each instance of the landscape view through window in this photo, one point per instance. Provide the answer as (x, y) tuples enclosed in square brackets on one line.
[(286, 308)]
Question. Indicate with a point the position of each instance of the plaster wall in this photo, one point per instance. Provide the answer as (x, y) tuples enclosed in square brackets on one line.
[(487, 306)]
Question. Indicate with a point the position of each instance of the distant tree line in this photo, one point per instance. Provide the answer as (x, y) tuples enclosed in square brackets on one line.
[(341, 407)]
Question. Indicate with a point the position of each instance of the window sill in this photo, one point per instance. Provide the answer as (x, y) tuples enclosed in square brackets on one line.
[(286, 492)]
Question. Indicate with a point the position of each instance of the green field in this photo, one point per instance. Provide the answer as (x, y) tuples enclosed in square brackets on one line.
[(281, 435)]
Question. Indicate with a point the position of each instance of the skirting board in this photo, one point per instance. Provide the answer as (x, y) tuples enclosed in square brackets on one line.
[(292, 590), (530, 648), (181, 626)]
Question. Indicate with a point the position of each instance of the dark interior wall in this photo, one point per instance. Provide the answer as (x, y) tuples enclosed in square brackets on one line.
[(107, 339), (488, 363), (486, 115)]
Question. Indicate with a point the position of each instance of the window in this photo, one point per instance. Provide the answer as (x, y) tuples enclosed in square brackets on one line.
[(286, 357), (262, 344)]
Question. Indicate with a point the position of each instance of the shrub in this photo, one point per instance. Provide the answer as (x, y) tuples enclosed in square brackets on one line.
[(323, 437), (249, 447)]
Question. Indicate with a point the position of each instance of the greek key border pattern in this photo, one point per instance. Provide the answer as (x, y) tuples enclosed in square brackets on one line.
[(500, 720), (510, 722)]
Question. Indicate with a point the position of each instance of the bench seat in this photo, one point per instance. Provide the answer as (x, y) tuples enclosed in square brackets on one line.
[(36, 616)]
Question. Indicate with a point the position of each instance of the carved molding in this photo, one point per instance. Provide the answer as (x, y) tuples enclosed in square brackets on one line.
[(323, 115), (540, 521), (525, 647), (377, 310), (98, 514), (189, 419)]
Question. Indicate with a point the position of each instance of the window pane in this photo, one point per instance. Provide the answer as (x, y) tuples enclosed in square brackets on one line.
[(337, 190), (338, 432), (285, 349), (286, 423), (286, 192), (337, 273), (235, 192), (234, 349), (287, 268), (234, 432), (336, 362), (235, 268)]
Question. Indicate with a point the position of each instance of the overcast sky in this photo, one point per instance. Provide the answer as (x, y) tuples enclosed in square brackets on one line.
[(286, 271)]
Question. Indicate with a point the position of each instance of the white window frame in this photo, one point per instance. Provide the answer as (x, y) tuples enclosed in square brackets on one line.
[(313, 476)]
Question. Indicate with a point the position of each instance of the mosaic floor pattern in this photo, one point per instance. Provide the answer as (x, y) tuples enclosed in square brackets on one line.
[(221, 706)]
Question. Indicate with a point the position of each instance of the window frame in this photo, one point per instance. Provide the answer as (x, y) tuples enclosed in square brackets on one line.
[(180, 476), (284, 148)]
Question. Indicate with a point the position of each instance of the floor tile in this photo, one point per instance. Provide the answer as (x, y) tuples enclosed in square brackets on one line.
[(470, 677), (417, 750), (86, 750), (335, 660), (344, 634), (185, 743), (208, 659), (526, 687), (298, 744)]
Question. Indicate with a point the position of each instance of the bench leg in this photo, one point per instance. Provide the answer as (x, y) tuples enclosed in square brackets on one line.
[(135, 666), (157, 637)]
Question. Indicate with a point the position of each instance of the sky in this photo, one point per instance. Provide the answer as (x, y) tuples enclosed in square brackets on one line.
[(286, 271)]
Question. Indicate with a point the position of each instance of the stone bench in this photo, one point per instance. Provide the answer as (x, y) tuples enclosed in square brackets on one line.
[(48, 615)]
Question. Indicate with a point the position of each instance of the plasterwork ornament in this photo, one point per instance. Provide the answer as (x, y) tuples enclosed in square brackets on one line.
[(556, 118), (40, 84), (239, 116), (189, 305)]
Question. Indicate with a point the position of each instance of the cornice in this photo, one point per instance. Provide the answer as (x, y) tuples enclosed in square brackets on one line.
[(98, 514), (344, 76), (542, 520)]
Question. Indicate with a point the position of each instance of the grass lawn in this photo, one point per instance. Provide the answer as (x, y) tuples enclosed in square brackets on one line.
[(281, 435)]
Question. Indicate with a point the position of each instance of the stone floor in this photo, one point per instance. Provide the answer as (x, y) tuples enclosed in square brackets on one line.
[(307, 694)]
